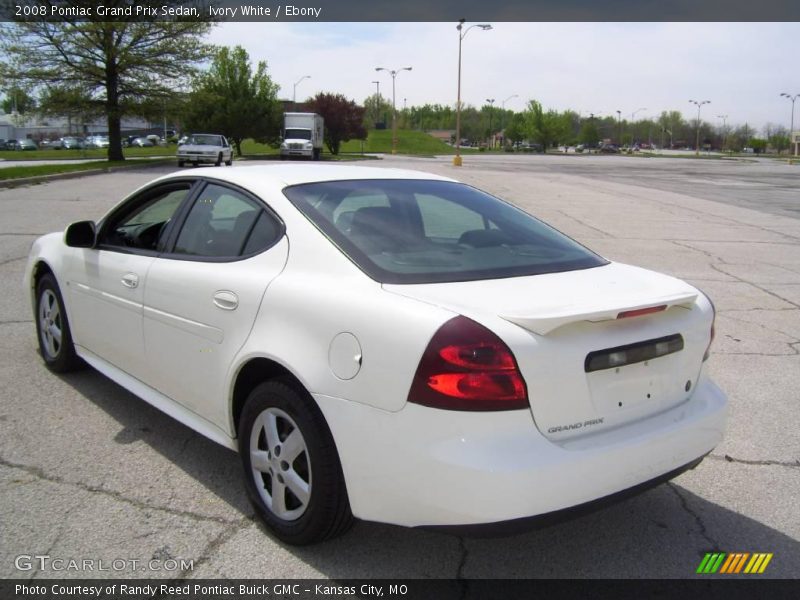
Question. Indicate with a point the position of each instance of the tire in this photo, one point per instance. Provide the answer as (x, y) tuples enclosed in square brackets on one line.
[(314, 507), (229, 162), (180, 163), (315, 154), (219, 160), (52, 328)]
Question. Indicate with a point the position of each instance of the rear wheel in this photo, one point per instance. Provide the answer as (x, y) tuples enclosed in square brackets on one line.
[(52, 328), (180, 163), (292, 471)]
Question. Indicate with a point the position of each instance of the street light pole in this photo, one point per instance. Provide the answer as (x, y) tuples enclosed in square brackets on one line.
[(724, 130), (377, 101), (491, 110), (294, 90), (503, 115), (791, 127), (619, 128), (697, 138), (633, 116), (393, 73), (462, 33)]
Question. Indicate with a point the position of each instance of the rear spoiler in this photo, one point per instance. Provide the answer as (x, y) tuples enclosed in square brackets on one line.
[(549, 321)]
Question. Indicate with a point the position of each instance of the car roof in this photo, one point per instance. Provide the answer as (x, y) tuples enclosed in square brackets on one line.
[(255, 176)]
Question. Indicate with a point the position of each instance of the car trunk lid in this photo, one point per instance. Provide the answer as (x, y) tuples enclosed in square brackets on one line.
[(597, 348)]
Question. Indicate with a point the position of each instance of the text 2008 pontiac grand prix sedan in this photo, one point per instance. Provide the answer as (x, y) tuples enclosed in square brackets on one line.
[(384, 344)]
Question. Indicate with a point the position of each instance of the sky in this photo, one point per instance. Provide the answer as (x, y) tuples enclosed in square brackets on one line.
[(588, 67)]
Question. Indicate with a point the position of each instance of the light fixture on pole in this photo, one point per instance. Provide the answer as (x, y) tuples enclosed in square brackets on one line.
[(791, 127), (491, 110), (462, 33), (393, 73), (697, 138), (294, 90)]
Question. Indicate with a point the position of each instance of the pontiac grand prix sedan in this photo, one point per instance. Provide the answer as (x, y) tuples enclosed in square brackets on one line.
[(384, 344)]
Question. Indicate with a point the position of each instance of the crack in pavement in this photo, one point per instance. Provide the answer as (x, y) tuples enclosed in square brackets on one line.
[(463, 583), (11, 260), (210, 549), (16, 322), (755, 285), (760, 463), (39, 473), (702, 527)]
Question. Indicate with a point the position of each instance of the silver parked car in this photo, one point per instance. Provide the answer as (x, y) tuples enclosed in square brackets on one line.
[(205, 148)]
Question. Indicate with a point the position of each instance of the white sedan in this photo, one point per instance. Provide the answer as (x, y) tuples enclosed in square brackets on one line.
[(202, 148), (384, 344)]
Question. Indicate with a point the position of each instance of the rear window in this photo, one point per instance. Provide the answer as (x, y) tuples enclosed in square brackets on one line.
[(422, 231)]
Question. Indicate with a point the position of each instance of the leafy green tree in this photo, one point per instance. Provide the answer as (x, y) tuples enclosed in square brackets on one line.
[(232, 99), (117, 63), (72, 102), (377, 109), (19, 101), (758, 145), (344, 119), (546, 128), (515, 130), (589, 133)]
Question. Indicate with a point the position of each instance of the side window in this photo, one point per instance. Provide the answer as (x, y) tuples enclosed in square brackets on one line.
[(141, 223), (224, 223)]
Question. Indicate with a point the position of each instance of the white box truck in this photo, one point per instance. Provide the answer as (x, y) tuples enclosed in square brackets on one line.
[(302, 135)]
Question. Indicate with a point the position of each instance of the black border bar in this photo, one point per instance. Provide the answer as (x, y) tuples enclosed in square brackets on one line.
[(427, 10)]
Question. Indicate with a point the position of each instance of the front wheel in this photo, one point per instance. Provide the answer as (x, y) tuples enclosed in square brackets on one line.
[(52, 328), (292, 471), (219, 160), (180, 163), (229, 162)]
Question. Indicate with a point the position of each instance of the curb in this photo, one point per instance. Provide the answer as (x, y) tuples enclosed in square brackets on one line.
[(23, 181)]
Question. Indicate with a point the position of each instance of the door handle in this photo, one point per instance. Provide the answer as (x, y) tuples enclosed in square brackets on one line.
[(131, 280), (226, 300)]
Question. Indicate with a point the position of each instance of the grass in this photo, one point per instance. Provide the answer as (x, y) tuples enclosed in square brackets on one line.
[(39, 170), (408, 142), (88, 153)]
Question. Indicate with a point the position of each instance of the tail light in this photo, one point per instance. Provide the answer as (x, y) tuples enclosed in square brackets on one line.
[(467, 367), (713, 322)]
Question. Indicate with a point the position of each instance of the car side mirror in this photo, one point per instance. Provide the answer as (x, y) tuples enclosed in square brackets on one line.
[(82, 234)]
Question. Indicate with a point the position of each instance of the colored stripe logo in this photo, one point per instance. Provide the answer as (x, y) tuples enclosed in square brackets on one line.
[(734, 563)]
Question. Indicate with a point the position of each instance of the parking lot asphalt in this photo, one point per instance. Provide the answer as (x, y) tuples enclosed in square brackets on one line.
[(88, 471)]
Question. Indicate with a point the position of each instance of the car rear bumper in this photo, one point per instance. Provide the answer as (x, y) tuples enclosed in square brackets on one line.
[(427, 467)]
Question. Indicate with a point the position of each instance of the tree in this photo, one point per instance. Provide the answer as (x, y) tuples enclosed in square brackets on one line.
[(18, 101), (546, 128), (71, 102), (589, 134), (118, 64), (344, 119), (515, 130), (233, 100), (376, 110)]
